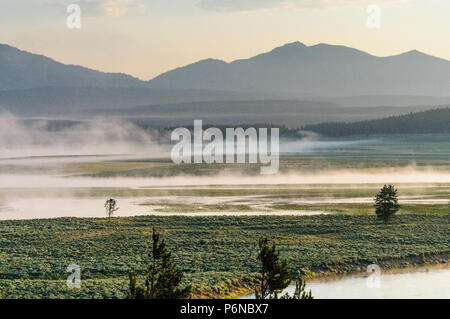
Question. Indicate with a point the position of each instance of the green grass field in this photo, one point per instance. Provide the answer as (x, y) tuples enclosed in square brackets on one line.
[(218, 254)]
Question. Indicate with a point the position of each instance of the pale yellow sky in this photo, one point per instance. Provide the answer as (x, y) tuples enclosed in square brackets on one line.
[(145, 38)]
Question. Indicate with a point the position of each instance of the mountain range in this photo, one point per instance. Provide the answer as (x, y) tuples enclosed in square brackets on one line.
[(33, 83), (318, 70)]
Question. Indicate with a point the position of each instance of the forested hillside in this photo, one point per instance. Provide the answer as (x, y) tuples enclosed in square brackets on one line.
[(432, 121)]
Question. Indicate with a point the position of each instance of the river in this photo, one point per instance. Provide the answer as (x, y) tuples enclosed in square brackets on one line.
[(423, 283)]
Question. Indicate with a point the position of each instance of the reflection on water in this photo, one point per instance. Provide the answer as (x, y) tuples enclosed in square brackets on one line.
[(47, 196), (51, 207), (424, 283)]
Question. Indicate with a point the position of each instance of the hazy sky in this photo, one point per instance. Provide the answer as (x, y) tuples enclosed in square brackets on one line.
[(147, 37)]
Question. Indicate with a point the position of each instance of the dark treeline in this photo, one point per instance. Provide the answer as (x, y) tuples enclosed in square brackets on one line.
[(159, 134), (284, 131), (432, 121)]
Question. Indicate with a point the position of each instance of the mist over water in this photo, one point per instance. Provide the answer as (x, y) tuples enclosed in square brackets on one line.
[(108, 136), (396, 176), (48, 192), (44, 196)]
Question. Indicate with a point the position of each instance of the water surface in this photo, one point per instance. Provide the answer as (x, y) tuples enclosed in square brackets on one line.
[(428, 283)]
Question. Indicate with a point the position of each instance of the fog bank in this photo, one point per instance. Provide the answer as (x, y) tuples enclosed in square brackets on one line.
[(36, 138), (349, 176)]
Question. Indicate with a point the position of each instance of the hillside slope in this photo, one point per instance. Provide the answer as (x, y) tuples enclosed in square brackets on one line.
[(21, 70), (431, 121)]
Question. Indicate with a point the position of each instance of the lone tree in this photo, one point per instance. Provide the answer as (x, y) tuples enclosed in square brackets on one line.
[(386, 203), (111, 206), (274, 272), (163, 277)]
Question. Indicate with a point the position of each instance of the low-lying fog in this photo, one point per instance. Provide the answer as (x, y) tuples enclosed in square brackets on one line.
[(356, 176), (41, 196), (102, 136), (95, 139), (29, 143)]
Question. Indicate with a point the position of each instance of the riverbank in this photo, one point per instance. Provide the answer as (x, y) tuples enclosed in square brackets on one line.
[(388, 266), (424, 282), (218, 254)]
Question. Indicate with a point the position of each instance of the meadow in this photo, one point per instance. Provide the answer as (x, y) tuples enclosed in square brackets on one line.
[(218, 254), (336, 179)]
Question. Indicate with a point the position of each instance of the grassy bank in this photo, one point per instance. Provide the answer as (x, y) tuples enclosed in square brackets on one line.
[(218, 254)]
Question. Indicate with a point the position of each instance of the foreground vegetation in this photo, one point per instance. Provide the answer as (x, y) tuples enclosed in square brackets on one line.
[(217, 254), (163, 278)]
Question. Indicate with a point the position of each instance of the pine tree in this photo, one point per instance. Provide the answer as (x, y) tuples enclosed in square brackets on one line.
[(134, 291), (163, 277), (386, 203), (274, 272)]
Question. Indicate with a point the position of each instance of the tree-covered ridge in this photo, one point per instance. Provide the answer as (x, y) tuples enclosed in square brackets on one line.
[(432, 121)]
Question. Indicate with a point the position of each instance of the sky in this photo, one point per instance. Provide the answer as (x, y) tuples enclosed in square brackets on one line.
[(145, 38)]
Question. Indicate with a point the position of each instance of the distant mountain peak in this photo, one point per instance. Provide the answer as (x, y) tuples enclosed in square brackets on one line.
[(317, 70), (211, 61), (293, 69), (415, 53), (295, 44), (292, 46), (418, 56)]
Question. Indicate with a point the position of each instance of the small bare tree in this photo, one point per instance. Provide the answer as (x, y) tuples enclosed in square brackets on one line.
[(111, 206)]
